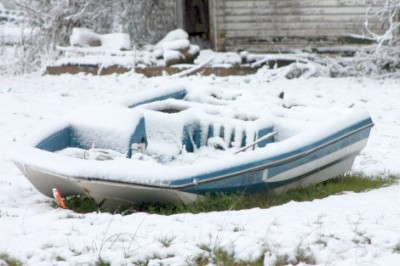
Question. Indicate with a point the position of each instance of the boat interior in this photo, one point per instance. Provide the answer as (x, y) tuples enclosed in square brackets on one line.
[(171, 126)]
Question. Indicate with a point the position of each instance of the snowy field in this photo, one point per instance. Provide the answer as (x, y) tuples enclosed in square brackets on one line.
[(347, 229)]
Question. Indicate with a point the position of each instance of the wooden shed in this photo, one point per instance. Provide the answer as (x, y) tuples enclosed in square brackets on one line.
[(276, 25)]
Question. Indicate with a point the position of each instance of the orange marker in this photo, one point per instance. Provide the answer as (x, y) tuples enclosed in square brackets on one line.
[(57, 196)]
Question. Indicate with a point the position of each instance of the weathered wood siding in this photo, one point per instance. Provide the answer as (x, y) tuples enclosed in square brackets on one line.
[(279, 25)]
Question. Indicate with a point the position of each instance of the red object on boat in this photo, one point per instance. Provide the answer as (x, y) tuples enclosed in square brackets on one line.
[(58, 197)]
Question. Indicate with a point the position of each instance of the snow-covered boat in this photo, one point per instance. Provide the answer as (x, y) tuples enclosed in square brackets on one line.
[(175, 144)]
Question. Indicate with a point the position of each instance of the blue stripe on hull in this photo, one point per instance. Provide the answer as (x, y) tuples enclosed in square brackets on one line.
[(252, 181), (237, 180), (273, 171)]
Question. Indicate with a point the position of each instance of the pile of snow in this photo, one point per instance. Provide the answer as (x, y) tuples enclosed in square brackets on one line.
[(83, 37), (219, 59), (11, 34), (175, 48), (90, 48)]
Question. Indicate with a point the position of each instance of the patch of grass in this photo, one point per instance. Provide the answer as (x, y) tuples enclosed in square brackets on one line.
[(220, 256), (321, 242), (205, 248), (60, 258), (101, 262), (396, 248), (282, 260), (166, 241), (238, 201), (304, 256), (79, 204), (10, 260), (267, 199), (301, 256)]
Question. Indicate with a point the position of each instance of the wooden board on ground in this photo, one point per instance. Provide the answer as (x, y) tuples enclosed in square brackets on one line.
[(150, 71)]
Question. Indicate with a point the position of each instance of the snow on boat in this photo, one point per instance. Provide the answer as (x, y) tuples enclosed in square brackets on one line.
[(175, 144)]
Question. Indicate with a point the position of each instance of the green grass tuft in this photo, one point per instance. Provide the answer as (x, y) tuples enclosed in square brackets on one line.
[(267, 199), (238, 201), (79, 204), (220, 256), (10, 260), (101, 262)]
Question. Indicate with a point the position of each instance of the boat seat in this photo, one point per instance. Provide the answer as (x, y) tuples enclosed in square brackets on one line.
[(138, 136), (235, 133)]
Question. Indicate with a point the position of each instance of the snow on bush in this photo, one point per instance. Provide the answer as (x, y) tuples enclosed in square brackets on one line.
[(384, 55), (84, 37)]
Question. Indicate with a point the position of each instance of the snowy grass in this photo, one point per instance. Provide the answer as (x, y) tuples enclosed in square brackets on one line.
[(345, 229), (240, 201), (220, 256), (10, 261)]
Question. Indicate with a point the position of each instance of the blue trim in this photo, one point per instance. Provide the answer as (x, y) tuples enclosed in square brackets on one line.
[(56, 141), (252, 181), (138, 136), (262, 132), (66, 138), (249, 177), (273, 171), (179, 95), (363, 134)]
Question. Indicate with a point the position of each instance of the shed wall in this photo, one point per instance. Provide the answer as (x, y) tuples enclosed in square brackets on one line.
[(281, 25)]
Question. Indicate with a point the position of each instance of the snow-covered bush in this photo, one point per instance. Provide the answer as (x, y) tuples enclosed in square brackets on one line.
[(144, 21), (384, 55), (83, 37), (53, 21)]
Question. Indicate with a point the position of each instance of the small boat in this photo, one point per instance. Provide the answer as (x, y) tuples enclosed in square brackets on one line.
[(173, 145)]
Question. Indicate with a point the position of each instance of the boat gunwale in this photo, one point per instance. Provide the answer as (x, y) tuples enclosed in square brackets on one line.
[(194, 182)]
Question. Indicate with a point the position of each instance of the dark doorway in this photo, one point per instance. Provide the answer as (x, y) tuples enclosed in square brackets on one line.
[(197, 20)]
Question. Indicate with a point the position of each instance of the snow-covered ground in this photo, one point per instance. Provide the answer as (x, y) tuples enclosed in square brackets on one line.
[(347, 229)]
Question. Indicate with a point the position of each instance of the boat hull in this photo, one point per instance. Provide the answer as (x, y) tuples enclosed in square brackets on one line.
[(110, 195), (113, 195), (297, 158)]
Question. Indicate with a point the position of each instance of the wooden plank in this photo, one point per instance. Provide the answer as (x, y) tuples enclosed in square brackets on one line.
[(306, 2), (279, 34), (289, 44), (58, 70), (292, 11), (290, 3), (150, 71), (266, 26), (301, 39), (323, 29), (297, 19), (277, 20), (292, 47)]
